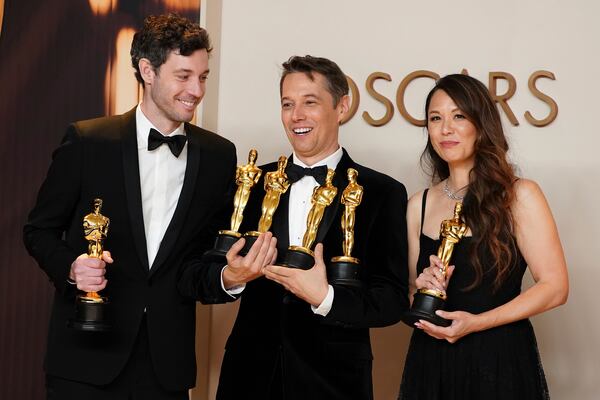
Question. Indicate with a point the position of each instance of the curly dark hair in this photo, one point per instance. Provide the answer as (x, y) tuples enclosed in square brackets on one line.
[(487, 203), (163, 33), (337, 85)]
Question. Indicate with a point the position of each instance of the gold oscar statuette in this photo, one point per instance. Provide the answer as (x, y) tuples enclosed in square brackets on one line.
[(451, 231), (95, 228), (246, 176), (351, 198), (344, 269), (90, 311), (322, 197), (276, 183), (426, 301)]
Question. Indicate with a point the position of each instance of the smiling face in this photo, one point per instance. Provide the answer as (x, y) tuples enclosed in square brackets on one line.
[(172, 92), (451, 134), (310, 118)]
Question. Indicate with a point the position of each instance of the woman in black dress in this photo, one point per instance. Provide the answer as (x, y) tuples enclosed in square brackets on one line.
[(489, 351)]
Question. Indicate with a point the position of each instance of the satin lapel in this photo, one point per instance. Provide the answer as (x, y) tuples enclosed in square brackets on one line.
[(340, 181), (131, 173), (281, 226), (183, 204)]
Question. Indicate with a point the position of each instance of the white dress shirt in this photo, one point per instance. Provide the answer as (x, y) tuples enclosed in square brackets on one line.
[(299, 207), (161, 180)]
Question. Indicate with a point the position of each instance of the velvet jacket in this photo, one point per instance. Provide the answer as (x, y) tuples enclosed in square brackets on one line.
[(278, 347)]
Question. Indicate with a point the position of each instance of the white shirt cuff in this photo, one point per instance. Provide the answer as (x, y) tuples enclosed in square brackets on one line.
[(325, 305), (234, 290)]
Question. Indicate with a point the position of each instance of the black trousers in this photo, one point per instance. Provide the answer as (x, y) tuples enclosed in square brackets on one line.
[(137, 381)]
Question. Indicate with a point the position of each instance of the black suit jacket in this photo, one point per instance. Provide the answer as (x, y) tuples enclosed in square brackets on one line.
[(277, 337), (98, 158)]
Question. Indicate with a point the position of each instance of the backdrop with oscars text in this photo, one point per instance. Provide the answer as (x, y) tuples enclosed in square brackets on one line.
[(539, 58)]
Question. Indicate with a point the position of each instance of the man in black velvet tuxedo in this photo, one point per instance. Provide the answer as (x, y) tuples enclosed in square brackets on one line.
[(165, 204), (296, 336)]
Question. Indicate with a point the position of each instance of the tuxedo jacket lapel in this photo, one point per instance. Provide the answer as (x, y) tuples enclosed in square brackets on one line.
[(183, 204), (131, 172), (280, 226)]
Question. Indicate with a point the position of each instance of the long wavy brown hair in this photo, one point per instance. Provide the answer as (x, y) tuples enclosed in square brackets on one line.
[(487, 203)]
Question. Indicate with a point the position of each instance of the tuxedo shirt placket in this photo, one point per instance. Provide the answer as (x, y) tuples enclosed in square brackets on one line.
[(299, 206), (161, 181), (300, 197)]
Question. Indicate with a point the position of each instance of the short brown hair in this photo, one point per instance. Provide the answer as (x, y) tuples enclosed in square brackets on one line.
[(337, 85), (163, 33)]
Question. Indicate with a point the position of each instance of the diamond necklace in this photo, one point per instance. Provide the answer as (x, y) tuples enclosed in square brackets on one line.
[(452, 195)]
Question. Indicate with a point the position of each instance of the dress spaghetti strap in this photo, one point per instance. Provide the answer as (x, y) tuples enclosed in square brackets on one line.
[(424, 202)]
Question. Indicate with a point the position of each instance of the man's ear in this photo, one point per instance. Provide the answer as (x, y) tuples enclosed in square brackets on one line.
[(146, 70), (343, 107)]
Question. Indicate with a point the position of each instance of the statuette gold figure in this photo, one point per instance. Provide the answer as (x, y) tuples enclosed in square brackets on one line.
[(351, 198), (276, 184), (322, 197), (345, 270), (451, 232), (95, 228), (246, 176), (427, 301), (302, 256)]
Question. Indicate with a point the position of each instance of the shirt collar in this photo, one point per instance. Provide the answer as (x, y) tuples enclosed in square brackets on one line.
[(144, 125), (331, 160)]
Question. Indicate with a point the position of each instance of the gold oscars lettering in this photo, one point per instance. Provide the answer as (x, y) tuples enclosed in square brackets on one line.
[(95, 228)]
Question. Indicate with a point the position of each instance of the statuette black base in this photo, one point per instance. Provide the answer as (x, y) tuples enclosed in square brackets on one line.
[(90, 316), (299, 257), (424, 307), (250, 238), (344, 271), (224, 241)]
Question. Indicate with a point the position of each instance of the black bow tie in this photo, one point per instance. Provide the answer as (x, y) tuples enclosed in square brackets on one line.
[(175, 143), (296, 172)]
